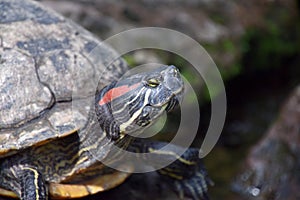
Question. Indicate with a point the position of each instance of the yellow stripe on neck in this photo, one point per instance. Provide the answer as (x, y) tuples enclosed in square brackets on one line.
[(36, 176), (136, 114)]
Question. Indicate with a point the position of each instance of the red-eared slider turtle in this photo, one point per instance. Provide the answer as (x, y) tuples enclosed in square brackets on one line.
[(48, 145)]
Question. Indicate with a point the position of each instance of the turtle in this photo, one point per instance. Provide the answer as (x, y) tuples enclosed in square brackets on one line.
[(65, 114)]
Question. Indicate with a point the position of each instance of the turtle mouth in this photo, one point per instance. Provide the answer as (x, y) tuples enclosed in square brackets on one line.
[(169, 105), (174, 101)]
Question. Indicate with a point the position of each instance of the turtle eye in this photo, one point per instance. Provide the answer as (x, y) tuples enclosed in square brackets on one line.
[(153, 82)]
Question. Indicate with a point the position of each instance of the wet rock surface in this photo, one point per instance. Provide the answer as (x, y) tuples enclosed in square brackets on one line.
[(271, 170)]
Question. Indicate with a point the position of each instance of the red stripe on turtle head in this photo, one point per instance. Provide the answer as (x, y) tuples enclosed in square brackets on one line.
[(116, 92)]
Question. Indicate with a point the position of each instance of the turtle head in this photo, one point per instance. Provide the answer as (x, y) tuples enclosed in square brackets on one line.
[(134, 103)]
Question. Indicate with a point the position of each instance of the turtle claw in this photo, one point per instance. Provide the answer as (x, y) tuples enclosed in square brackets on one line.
[(189, 178), (186, 175), (194, 187)]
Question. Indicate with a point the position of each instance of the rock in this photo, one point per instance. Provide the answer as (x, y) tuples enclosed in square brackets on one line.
[(271, 170)]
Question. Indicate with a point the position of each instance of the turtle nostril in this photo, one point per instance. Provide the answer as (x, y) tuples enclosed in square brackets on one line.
[(174, 71)]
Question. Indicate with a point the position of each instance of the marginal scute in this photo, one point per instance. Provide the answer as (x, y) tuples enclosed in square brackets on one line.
[(31, 134), (8, 193), (98, 184)]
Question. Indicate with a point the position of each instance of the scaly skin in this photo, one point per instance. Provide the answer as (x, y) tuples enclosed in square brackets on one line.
[(145, 96)]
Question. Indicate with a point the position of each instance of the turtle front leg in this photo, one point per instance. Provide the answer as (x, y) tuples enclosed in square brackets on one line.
[(25, 181), (186, 175)]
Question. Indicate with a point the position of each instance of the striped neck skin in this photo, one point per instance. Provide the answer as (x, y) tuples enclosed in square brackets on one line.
[(135, 102)]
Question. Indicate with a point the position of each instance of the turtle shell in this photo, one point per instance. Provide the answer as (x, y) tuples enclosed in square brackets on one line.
[(50, 68)]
